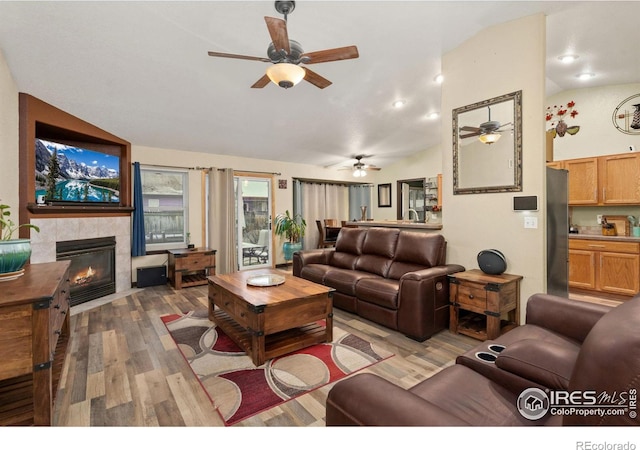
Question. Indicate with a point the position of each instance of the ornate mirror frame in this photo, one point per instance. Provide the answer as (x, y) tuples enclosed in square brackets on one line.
[(513, 166)]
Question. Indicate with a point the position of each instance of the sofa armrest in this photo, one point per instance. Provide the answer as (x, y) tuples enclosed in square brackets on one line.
[(432, 272), (571, 318), (545, 363), (367, 399), (315, 256)]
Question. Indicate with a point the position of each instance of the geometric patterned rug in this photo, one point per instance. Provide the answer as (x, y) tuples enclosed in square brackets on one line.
[(238, 389)]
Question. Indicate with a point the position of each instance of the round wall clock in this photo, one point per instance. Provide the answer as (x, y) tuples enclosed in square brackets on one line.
[(626, 116)]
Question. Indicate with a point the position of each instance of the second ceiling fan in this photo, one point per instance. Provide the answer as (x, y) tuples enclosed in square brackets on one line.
[(286, 55)]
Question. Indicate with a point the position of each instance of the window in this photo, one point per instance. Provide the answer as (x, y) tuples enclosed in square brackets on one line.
[(165, 199)]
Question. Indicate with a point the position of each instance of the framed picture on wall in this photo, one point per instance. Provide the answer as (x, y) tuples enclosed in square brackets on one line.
[(384, 195)]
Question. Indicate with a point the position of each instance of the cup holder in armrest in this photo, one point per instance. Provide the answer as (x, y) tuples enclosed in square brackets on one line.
[(496, 348), (487, 357)]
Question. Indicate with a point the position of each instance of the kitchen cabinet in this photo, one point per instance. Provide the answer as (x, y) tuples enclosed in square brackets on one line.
[(583, 181), (620, 179), (603, 180), (605, 266)]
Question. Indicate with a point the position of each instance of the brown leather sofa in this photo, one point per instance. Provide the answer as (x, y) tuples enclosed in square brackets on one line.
[(395, 278), (567, 348)]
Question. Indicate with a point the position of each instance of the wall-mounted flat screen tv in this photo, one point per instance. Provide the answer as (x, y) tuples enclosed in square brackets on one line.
[(71, 174)]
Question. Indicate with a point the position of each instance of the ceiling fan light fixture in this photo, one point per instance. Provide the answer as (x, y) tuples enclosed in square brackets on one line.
[(489, 138), (359, 172), (285, 75)]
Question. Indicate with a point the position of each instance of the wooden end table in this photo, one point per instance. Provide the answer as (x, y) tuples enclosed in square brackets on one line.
[(191, 266), (271, 321), (487, 295)]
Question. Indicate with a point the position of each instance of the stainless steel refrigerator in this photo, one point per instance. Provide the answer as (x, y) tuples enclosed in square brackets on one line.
[(557, 232)]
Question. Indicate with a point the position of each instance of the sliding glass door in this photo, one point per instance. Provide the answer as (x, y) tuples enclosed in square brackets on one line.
[(253, 224)]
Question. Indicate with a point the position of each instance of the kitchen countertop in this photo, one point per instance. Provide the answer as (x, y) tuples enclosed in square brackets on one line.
[(599, 237), (399, 224)]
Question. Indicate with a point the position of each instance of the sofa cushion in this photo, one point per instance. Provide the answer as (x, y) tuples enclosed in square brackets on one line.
[(315, 272), (545, 363), (348, 248), (416, 251), (345, 280), (378, 250), (472, 398), (380, 291)]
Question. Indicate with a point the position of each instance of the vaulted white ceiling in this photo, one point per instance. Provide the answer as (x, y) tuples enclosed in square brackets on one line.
[(140, 70)]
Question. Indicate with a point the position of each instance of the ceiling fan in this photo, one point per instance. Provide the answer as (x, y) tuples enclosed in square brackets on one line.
[(286, 55), (360, 169), (488, 132)]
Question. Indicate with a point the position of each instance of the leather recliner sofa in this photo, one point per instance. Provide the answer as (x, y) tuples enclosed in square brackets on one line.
[(395, 278), (585, 358)]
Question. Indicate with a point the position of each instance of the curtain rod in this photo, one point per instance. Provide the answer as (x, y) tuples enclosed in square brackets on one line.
[(339, 182), (205, 168)]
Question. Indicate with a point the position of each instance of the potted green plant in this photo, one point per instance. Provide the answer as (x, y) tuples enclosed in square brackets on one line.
[(292, 228), (14, 253)]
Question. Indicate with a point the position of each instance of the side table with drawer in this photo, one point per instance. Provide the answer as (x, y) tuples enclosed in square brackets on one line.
[(479, 300), (191, 266)]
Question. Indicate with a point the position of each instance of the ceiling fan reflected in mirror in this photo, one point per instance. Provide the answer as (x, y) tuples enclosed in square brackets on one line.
[(487, 132), (360, 169), (286, 55)]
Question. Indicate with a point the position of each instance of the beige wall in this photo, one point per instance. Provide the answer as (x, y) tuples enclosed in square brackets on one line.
[(597, 136), (498, 60), (424, 164), (8, 138)]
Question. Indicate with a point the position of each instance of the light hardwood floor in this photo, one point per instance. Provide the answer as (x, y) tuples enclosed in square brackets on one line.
[(123, 369)]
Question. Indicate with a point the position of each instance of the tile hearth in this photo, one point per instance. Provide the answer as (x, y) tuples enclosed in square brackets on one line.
[(43, 244)]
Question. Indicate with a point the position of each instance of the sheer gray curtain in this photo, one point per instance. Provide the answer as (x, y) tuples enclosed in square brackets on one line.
[(222, 220), (359, 195)]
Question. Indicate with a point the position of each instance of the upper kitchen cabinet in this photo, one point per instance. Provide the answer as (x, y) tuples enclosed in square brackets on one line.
[(620, 179), (583, 181), (603, 180)]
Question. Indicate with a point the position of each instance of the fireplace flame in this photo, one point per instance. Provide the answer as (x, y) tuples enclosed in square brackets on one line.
[(84, 278)]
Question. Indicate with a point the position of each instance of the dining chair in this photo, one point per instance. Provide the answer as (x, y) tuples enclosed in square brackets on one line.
[(323, 242)]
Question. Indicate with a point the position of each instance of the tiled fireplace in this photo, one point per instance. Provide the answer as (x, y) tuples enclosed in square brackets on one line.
[(53, 231)]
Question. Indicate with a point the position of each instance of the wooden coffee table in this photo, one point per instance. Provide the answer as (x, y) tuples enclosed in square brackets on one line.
[(271, 321)]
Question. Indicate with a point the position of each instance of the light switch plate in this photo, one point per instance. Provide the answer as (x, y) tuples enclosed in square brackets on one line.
[(531, 222)]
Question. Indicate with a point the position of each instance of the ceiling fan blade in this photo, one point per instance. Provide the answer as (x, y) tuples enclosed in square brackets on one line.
[(279, 35), (372, 168), (262, 82), (477, 133), (474, 129), (231, 55), (334, 54), (316, 79)]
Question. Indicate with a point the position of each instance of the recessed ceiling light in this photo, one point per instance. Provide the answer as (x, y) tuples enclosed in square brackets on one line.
[(586, 75), (433, 116), (568, 59), (399, 103), (439, 78)]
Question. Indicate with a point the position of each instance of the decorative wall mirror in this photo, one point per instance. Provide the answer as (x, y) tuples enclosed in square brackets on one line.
[(487, 146), (384, 195)]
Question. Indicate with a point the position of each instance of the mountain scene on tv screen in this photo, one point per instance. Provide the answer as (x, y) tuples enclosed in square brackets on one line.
[(71, 174)]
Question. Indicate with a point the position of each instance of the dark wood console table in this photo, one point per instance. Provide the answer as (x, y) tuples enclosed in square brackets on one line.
[(34, 333)]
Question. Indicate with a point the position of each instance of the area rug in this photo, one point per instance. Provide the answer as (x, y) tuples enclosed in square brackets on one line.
[(239, 390)]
